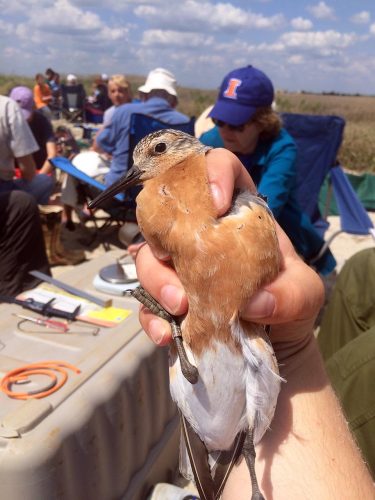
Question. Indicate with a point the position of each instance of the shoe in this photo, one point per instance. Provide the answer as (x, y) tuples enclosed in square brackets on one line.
[(73, 257), (69, 225)]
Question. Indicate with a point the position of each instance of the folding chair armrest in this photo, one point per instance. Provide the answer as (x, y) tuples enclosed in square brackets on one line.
[(67, 166)]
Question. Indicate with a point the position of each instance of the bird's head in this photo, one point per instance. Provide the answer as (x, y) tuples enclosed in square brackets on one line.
[(154, 154)]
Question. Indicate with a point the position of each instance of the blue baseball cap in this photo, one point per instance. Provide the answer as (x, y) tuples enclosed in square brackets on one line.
[(242, 92)]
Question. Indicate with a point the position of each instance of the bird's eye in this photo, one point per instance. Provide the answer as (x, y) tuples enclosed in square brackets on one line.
[(160, 147)]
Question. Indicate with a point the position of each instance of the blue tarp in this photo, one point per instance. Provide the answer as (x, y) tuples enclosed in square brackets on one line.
[(353, 217)]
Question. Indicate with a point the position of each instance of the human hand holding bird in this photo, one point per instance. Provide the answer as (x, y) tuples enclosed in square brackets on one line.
[(290, 302), (222, 262)]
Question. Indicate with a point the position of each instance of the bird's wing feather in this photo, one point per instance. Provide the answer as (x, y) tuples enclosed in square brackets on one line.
[(198, 457)]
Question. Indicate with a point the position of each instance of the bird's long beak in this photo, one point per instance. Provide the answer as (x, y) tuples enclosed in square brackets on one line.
[(132, 178)]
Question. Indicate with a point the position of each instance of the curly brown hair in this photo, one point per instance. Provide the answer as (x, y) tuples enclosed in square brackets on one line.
[(268, 121)]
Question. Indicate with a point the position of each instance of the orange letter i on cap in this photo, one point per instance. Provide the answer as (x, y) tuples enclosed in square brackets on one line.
[(231, 90)]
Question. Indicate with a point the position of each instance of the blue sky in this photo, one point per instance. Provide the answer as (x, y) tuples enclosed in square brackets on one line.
[(305, 45)]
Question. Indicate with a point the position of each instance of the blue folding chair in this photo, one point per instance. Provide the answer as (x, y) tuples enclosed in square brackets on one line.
[(318, 139), (123, 211), (142, 125), (67, 166)]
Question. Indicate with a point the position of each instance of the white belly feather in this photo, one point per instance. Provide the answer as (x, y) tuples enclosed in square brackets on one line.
[(233, 392)]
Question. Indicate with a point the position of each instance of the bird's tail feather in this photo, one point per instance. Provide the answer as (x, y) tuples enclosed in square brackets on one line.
[(209, 472), (224, 463)]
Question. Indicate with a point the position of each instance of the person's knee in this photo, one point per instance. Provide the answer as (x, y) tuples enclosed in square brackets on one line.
[(42, 187)]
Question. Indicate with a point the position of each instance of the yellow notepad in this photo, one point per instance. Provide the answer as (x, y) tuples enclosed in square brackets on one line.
[(106, 316)]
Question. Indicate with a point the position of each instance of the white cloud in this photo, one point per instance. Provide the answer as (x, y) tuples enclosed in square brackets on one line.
[(175, 39), (300, 24), (65, 23), (361, 17), (318, 39), (195, 16), (22, 6), (199, 41), (6, 29), (296, 59), (65, 17), (321, 11)]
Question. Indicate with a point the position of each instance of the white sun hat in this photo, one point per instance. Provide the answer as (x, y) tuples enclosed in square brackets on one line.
[(160, 78), (71, 78)]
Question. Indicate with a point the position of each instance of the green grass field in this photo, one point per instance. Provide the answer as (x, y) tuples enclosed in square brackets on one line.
[(357, 152)]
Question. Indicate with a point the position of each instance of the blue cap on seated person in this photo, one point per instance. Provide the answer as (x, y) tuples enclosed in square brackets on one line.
[(24, 97), (242, 92)]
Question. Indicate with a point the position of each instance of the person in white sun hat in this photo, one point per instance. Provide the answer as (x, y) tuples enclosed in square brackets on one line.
[(160, 100), (163, 79)]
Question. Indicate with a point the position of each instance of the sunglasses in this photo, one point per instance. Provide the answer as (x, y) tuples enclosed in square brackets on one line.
[(233, 128)]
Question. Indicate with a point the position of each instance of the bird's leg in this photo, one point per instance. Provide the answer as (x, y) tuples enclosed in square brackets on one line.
[(189, 371), (248, 451)]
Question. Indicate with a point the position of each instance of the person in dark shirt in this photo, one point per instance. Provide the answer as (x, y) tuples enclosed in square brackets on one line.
[(22, 246)]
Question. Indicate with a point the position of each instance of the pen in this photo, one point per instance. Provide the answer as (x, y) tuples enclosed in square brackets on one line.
[(49, 323)]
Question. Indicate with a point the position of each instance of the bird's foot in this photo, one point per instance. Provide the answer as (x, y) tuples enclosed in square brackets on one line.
[(189, 371), (248, 451)]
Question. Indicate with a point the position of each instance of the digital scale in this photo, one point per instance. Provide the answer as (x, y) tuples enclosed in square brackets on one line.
[(117, 278)]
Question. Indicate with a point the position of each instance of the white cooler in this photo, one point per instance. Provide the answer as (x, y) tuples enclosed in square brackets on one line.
[(111, 432)]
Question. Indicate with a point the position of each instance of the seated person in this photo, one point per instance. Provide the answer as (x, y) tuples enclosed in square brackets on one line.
[(97, 102), (99, 98), (21, 243), (40, 127), (17, 142), (53, 80), (247, 125), (42, 95), (160, 102), (119, 92), (161, 99), (347, 342)]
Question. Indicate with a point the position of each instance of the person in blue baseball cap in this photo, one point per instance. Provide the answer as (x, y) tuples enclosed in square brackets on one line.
[(247, 124), (242, 93)]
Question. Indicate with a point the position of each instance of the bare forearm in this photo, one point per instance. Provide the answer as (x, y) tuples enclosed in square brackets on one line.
[(51, 153), (309, 452), (95, 146)]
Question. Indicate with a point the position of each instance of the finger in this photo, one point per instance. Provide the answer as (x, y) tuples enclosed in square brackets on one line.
[(225, 172), (134, 248), (304, 297), (161, 281)]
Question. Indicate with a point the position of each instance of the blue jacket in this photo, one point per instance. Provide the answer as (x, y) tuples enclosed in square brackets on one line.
[(114, 138), (272, 168)]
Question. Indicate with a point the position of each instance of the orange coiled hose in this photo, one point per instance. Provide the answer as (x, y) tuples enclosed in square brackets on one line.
[(48, 368)]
